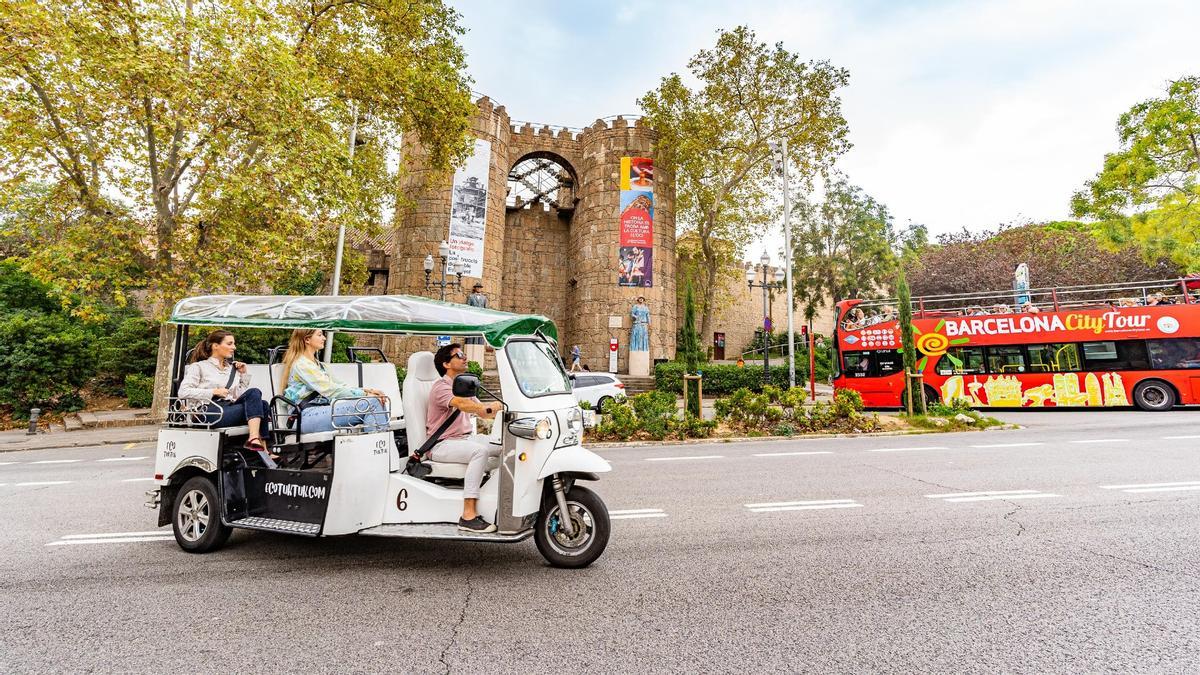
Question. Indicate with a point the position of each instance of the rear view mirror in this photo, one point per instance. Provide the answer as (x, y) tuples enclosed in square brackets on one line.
[(466, 386)]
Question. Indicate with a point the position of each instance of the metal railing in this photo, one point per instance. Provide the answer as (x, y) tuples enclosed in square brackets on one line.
[(1033, 300)]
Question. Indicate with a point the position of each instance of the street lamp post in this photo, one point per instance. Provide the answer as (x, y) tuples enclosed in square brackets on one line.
[(780, 161), (448, 268), (767, 286)]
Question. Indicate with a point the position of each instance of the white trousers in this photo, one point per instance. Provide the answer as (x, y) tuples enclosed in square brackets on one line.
[(473, 451)]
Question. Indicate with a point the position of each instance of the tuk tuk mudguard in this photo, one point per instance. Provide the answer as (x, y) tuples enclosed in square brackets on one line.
[(179, 448), (574, 459)]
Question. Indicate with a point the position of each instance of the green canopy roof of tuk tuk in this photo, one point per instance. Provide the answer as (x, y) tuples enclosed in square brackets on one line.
[(359, 313)]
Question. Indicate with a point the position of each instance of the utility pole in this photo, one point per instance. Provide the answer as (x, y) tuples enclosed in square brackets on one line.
[(341, 240), (781, 167)]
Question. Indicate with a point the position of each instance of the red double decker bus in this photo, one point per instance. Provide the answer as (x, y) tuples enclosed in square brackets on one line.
[(1081, 346)]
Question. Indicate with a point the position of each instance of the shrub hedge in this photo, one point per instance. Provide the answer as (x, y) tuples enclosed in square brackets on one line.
[(139, 390), (724, 379)]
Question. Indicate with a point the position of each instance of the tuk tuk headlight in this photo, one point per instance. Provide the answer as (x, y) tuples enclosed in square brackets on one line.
[(530, 428)]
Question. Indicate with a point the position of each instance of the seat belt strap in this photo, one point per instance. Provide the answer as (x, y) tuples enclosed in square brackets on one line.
[(427, 446)]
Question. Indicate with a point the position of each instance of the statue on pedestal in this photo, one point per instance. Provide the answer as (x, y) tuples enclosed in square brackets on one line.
[(639, 335)]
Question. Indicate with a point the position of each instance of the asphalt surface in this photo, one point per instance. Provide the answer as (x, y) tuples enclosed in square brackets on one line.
[(893, 568)]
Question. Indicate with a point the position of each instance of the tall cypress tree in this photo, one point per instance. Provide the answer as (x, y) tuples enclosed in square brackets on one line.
[(907, 344)]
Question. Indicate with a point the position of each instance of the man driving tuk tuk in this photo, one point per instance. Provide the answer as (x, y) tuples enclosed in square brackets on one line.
[(457, 444)]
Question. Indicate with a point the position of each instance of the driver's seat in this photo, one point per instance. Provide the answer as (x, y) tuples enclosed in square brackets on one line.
[(418, 381)]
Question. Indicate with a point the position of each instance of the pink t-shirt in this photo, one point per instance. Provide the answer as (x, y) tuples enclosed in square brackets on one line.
[(439, 409)]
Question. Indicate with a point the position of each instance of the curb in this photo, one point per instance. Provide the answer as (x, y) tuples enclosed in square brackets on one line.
[(756, 439), (20, 446)]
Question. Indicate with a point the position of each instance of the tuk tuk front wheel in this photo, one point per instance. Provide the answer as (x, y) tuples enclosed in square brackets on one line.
[(589, 516), (196, 517)]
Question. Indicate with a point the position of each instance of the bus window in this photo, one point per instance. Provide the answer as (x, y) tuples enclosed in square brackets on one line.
[(1054, 358), (1006, 360), (888, 362), (858, 364), (1109, 355), (961, 361), (1175, 354)]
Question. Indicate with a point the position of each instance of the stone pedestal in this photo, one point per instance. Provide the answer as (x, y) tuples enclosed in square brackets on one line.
[(474, 353), (639, 364)]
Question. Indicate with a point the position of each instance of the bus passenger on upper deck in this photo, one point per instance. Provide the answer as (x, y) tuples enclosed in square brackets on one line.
[(310, 385), (854, 319), (220, 388), (1030, 308)]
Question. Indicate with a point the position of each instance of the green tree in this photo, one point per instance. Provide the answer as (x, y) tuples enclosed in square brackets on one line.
[(186, 146), (843, 247), (714, 139), (194, 145), (1148, 191)]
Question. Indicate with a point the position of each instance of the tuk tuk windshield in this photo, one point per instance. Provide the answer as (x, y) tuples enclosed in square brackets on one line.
[(537, 368)]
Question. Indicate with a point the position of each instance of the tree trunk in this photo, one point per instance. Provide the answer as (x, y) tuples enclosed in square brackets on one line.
[(162, 371), (710, 292)]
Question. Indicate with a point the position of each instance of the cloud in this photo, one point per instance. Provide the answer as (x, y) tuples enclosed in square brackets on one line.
[(966, 113)]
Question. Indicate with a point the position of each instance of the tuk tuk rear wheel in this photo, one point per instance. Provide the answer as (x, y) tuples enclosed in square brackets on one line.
[(590, 517), (196, 517)]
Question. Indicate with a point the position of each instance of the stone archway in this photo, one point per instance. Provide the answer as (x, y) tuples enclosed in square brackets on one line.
[(539, 208)]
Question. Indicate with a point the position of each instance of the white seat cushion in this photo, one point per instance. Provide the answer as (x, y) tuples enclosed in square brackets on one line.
[(382, 376), (418, 382)]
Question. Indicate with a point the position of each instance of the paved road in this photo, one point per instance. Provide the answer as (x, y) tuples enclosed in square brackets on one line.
[(1071, 545)]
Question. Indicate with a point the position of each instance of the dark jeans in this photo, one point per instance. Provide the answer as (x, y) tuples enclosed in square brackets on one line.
[(247, 407)]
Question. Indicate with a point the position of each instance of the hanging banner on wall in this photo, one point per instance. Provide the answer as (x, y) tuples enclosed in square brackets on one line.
[(468, 210), (635, 259)]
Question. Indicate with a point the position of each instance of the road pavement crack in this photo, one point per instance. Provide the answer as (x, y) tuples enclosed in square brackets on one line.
[(1009, 516), (1133, 561), (462, 618), (914, 478)]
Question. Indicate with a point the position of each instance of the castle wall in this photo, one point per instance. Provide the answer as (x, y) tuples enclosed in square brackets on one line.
[(535, 276)]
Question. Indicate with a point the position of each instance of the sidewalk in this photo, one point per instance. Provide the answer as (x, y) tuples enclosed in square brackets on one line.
[(12, 441)]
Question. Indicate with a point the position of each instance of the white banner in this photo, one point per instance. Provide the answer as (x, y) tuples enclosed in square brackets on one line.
[(468, 210)]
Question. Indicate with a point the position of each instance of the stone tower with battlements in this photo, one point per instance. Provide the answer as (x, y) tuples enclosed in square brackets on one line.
[(557, 255)]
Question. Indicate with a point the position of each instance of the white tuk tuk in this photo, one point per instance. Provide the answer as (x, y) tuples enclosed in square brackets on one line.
[(358, 479)]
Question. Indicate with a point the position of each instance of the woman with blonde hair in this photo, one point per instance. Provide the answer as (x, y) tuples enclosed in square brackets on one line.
[(219, 388), (311, 386)]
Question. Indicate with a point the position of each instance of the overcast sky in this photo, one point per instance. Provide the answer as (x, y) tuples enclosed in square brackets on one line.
[(961, 113)]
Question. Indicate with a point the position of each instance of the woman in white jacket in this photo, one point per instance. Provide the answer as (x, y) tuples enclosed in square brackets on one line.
[(221, 386)]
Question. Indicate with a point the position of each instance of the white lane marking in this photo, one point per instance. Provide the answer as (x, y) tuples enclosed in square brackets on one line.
[(102, 535), (977, 494), (127, 540), (1137, 488), (672, 459), (56, 461), (43, 482), (628, 514), (811, 505), (793, 454), (120, 459), (1102, 440), (1149, 485), (811, 501), (7, 463), (928, 447), (994, 495), (1007, 445), (1164, 489), (1178, 438), (135, 480), (1002, 497)]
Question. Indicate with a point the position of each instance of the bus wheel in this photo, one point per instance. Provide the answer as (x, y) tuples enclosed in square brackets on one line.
[(1154, 395), (196, 517), (931, 395)]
